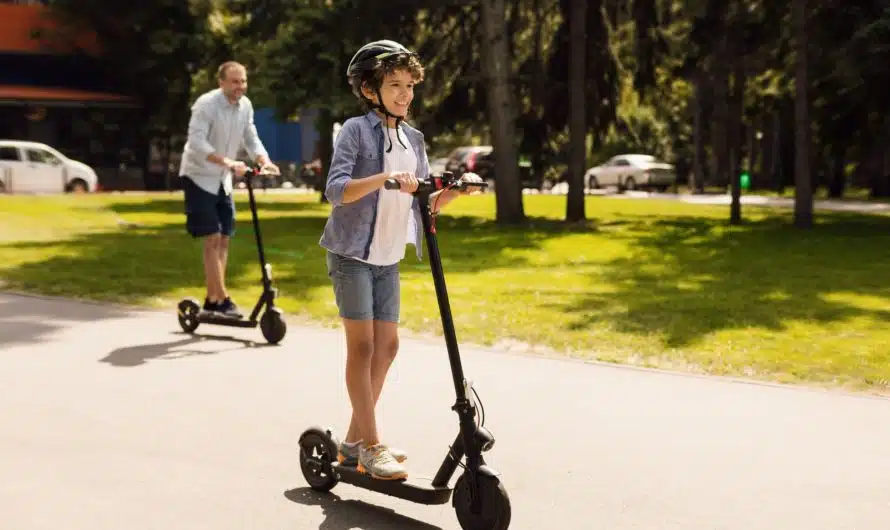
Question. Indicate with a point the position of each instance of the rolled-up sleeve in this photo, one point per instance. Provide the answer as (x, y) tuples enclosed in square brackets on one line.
[(199, 129), (342, 163), (252, 143)]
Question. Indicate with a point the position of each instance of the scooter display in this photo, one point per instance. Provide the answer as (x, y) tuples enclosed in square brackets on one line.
[(272, 322), (479, 498)]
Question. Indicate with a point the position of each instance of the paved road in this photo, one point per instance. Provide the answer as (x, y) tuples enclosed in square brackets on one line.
[(112, 419)]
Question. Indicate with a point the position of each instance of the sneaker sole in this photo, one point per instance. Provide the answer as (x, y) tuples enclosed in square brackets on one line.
[(352, 461), (398, 476)]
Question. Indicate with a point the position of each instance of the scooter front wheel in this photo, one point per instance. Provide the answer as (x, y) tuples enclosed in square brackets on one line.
[(272, 325), (317, 453), (493, 509)]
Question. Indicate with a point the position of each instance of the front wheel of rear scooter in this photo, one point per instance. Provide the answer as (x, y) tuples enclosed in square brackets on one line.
[(273, 326), (493, 511), (187, 313)]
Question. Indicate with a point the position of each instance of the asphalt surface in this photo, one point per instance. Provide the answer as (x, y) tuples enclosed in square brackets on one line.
[(113, 419)]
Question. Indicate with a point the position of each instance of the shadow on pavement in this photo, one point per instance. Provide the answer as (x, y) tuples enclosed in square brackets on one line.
[(28, 319), (130, 356), (349, 514)]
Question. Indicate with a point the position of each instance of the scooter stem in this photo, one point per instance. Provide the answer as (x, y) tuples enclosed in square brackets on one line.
[(432, 246)]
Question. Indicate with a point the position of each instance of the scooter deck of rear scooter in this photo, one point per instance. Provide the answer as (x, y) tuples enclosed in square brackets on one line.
[(416, 490), (227, 321)]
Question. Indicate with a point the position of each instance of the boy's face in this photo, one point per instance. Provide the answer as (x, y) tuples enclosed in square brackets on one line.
[(397, 91)]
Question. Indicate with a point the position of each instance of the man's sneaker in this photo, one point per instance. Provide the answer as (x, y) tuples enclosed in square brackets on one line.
[(228, 308), (380, 464), (209, 307), (347, 454)]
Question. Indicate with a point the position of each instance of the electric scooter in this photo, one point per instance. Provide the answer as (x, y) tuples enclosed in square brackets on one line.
[(272, 322), (478, 497)]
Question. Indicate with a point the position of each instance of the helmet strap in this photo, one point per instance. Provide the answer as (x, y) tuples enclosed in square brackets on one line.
[(388, 114)]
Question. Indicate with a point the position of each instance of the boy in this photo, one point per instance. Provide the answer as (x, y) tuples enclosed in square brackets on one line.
[(221, 122), (367, 233)]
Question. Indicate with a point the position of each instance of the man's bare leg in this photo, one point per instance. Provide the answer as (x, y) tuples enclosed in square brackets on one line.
[(223, 252), (212, 265)]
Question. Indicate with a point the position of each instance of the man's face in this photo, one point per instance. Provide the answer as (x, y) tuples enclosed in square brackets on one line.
[(397, 91), (234, 83)]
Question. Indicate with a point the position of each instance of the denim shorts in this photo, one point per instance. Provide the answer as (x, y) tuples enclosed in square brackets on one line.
[(364, 291), (206, 213)]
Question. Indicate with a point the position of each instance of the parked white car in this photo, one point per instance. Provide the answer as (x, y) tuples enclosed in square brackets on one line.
[(32, 167), (631, 172)]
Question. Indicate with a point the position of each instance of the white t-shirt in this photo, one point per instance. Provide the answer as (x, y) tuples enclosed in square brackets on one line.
[(395, 227)]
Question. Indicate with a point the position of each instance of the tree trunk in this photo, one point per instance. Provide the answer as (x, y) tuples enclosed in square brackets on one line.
[(325, 126), (735, 143), (697, 183), (777, 168), (837, 180), (508, 195), (577, 118), (803, 187), (720, 135)]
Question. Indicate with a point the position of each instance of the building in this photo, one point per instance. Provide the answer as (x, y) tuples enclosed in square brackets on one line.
[(53, 94)]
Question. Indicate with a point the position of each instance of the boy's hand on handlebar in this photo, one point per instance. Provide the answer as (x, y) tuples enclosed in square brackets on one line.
[(467, 178), (407, 181)]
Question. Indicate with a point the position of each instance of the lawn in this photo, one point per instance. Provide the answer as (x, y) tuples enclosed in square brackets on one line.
[(652, 283)]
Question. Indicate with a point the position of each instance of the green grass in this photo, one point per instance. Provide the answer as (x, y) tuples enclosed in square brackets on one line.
[(654, 283)]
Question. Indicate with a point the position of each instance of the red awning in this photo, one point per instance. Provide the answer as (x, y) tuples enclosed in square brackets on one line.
[(58, 96)]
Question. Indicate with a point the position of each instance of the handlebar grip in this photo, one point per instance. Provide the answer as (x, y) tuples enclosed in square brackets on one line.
[(392, 184)]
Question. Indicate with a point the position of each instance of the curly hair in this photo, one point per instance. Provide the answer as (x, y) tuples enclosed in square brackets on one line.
[(373, 78)]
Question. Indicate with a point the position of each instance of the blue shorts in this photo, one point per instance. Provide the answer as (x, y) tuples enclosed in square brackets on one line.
[(205, 213), (364, 291)]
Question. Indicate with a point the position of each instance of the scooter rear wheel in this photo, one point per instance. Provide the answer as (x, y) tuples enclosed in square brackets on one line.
[(187, 312), (272, 325), (494, 504), (317, 454)]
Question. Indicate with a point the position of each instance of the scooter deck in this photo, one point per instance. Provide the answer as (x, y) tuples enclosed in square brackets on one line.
[(402, 489), (227, 321)]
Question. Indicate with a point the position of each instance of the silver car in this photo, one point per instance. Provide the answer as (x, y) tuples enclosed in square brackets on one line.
[(631, 172)]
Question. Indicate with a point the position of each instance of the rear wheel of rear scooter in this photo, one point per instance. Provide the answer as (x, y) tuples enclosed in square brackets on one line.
[(187, 312), (272, 325), (493, 512)]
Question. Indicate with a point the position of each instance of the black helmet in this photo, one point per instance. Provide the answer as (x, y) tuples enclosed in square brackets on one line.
[(369, 55), (366, 59)]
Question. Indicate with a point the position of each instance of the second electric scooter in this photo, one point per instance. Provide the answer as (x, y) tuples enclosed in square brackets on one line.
[(478, 497), (272, 322)]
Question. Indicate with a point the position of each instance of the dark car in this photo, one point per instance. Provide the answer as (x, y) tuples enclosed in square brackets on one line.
[(481, 160)]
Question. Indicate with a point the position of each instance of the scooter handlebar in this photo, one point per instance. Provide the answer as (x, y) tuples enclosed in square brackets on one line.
[(437, 182)]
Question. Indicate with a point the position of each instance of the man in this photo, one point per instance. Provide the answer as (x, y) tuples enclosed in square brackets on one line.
[(221, 124)]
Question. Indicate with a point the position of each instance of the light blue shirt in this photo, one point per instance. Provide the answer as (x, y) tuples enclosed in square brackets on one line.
[(222, 127), (358, 153)]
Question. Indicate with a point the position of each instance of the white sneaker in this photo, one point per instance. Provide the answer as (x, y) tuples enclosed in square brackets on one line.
[(380, 464)]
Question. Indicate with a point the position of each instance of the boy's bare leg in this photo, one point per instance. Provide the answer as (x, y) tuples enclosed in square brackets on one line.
[(359, 353), (386, 346)]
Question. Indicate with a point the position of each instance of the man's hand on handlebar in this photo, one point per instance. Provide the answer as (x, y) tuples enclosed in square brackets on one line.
[(268, 168), (238, 168)]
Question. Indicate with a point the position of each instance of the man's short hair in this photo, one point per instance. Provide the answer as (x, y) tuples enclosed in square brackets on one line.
[(224, 68)]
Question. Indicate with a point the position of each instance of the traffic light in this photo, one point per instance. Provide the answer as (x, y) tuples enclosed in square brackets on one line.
[(745, 180)]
